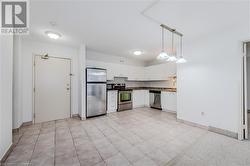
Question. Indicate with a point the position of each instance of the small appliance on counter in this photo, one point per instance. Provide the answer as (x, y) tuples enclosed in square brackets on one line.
[(110, 86), (155, 99), (96, 89), (116, 86)]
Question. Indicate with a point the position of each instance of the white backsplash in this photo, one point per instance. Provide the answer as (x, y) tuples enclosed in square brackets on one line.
[(158, 84)]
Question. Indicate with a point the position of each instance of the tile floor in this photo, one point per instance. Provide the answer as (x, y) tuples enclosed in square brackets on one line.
[(141, 137)]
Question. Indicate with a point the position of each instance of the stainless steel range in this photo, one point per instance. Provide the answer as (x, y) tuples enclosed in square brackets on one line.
[(125, 100)]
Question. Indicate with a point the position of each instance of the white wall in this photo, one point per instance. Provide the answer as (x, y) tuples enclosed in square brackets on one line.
[(17, 83), (6, 77), (211, 79), (29, 49), (97, 56)]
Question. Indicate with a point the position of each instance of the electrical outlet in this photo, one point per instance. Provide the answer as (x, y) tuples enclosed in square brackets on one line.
[(202, 113)]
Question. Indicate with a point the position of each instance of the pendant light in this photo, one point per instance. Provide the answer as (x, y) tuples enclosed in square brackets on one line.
[(163, 55), (181, 59), (172, 58)]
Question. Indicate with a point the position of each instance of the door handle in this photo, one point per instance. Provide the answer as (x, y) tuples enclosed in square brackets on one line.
[(68, 88)]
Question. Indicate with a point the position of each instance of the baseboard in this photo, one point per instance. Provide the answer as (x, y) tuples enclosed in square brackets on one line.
[(223, 132), (78, 116), (22, 125), (169, 111), (192, 124), (5, 156), (27, 123), (211, 128)]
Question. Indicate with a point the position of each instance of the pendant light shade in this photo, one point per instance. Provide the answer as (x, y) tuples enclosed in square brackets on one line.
[(181, 59), (172, 59), (175, 56), (163, 55)]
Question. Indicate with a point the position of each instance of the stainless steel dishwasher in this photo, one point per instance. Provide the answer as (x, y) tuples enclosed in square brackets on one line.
[(155, 99)]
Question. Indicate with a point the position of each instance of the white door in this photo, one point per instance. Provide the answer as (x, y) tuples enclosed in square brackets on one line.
[(51, 89)]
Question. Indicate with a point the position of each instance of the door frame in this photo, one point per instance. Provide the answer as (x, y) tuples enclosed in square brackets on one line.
[(243, 126), (33, 84)]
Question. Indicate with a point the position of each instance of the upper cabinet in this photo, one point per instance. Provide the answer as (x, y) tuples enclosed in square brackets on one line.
[(136, 73), (160, 72)]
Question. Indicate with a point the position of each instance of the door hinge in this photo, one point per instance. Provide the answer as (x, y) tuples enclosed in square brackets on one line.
[(34, 116), (34, 63), (34, 89)]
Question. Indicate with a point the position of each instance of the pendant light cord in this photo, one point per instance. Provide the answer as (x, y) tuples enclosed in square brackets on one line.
[(162, 39), (181, 48), (172, 43)]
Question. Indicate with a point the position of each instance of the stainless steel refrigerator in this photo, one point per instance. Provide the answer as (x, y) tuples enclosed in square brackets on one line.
[(96, 80)]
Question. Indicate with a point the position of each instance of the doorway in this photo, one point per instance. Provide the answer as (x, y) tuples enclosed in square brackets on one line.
[(52, 88)]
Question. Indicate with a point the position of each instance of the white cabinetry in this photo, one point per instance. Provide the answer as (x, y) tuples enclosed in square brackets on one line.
[(146, 98), (112, 101), (160, 72), (169, 101), (140, 98), (136, 73)]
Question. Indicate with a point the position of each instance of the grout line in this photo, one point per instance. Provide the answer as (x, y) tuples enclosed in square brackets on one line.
[(94, 145), (109, 142), (73, 143), (112, 142), (35, 145), (178, 156)]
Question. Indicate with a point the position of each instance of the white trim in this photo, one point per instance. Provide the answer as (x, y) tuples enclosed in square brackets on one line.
[(33, 84), (243, 104), (245, 127)]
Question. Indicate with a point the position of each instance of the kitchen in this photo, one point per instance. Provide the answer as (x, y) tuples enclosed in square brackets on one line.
[(130, 86)]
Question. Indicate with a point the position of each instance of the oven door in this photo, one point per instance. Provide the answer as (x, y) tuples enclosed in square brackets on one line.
[(125, 97)]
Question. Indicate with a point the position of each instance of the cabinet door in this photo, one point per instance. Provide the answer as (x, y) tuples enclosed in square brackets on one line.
[(138, 98), (169, 101), (146, 98), (112, 101), (172, 101), (164, 100), (160, 72)]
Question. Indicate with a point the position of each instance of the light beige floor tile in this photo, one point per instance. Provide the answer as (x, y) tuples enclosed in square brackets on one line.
[(89, 158), (159, 157), (141, 137), (117, 160), (145, 161), (107, 151), (133, 154)]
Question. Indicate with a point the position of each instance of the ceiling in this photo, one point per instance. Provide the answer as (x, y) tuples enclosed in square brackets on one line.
[(119, 27)]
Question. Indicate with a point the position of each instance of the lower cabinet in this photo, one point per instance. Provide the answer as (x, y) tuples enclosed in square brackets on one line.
[(140, 98), (112, 101), (146, 98), (169, 101)]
